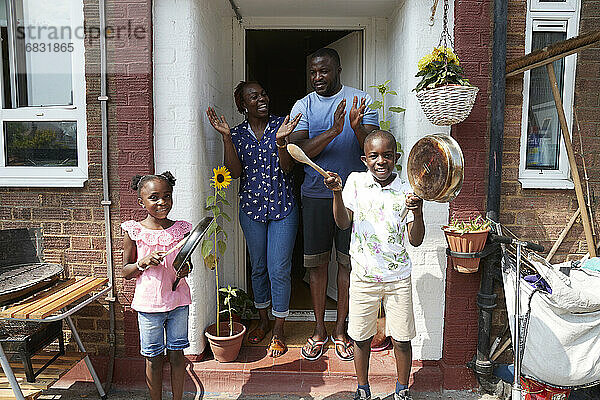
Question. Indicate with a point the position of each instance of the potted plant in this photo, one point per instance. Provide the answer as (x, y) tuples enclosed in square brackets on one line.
[(225, 339), (242, 306), (445, 95), (466, 237), (384, 89)]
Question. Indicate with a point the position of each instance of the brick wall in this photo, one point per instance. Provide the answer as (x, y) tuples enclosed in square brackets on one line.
[(473, 42), (131, 129), (72, 218), (540, 215)]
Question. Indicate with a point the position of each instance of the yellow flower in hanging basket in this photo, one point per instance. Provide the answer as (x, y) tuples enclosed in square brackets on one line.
[(439, 68)]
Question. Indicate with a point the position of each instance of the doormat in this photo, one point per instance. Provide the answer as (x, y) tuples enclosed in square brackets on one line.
[(296, 333)]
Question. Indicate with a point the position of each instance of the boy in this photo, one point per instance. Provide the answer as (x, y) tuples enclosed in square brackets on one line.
[(371, 203)]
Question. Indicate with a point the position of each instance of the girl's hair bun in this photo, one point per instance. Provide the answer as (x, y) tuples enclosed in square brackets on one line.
[(169, 177), (135, 181)]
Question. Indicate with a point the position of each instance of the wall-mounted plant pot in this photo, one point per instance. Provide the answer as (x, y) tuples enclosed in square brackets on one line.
[(447, 105), (225, 348), (468, 242)]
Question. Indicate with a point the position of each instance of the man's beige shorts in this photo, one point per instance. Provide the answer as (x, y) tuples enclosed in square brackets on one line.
[(364, 305)]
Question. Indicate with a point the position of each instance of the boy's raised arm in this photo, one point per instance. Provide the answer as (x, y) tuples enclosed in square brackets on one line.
[(415, 228), (342, 216)]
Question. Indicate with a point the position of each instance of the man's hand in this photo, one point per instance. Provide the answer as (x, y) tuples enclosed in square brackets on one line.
[(333, 182), (338, 117), (357, 113)]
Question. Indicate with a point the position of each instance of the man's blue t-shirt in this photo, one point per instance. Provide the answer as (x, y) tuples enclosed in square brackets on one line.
[(342, 154)]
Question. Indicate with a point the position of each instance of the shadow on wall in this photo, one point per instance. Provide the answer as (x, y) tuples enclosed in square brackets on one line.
[(427, 287)]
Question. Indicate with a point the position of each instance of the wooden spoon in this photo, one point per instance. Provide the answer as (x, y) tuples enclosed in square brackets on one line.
[(298, 155)]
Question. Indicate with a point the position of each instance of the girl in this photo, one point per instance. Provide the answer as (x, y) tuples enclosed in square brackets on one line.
[(159, 308)]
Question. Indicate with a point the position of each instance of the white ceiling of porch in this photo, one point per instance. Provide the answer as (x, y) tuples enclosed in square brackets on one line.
[(316, 8)]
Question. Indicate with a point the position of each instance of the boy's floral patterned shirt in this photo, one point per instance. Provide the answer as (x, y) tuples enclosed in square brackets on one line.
[(377, 241)]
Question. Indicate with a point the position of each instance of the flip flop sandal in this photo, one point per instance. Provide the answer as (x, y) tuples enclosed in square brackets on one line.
[(314, 344), (345, 345), (256, 336), (276, 345), (384, 345)]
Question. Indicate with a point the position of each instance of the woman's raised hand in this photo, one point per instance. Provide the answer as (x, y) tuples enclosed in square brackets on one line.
[(287, 127), (220, 124)]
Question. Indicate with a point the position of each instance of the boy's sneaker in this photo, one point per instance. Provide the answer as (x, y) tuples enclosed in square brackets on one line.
[(361, 394), (403, 395)]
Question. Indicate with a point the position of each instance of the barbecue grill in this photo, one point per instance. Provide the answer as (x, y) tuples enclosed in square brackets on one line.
[(35, 299)]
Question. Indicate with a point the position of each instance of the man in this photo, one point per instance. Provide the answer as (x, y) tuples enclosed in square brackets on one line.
[(333, 138)]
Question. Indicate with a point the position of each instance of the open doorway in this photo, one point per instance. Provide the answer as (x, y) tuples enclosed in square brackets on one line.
[(278, 60)]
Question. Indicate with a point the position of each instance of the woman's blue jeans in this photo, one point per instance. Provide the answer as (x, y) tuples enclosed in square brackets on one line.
[(270, 245)]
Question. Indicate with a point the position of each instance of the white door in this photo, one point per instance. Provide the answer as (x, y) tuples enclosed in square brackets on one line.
[(350, 50)]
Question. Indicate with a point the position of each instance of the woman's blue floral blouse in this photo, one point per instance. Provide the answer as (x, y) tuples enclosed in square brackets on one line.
[(265, 190)]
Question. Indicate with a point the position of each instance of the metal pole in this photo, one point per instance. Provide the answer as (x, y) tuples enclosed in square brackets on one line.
[(497, 103), (10, 375), (87, 360), (516, 388)]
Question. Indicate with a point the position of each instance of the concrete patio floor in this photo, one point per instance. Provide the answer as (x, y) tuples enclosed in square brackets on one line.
[(86, 390)]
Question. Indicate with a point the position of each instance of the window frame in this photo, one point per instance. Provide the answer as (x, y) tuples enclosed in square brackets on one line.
[(74, 176), (568, 5), (561, 177)]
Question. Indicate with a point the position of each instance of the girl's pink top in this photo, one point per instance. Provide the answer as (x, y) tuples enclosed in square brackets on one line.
[(153, 287)]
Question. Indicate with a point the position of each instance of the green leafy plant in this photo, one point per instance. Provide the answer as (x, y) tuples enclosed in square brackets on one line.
[(216, 236), (468, 226), (439, 68), (237, 302), (384, 89)]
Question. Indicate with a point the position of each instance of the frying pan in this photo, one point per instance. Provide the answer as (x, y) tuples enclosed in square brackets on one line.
[(435, 169), (191, 242)]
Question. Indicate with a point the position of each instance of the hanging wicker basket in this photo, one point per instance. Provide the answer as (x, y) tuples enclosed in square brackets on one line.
[(447, 105)]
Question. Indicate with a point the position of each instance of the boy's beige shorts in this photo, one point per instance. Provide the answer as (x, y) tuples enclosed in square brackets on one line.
[(364, 305)]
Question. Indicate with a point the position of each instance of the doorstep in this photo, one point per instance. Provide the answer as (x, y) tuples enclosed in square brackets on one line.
[(255, 373)]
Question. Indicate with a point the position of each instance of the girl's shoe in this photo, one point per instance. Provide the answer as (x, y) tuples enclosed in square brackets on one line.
[(361, 394), (403, 395)]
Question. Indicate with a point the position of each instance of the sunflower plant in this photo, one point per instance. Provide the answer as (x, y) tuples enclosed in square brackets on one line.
[(215, 244), (384, 89), (439, 68)]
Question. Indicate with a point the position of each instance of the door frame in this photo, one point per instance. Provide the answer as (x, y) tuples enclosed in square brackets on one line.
[(367, 25)]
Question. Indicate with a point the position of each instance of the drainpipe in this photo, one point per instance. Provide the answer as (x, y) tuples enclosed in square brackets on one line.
[(486, 299), (236, 10), (103, 99)]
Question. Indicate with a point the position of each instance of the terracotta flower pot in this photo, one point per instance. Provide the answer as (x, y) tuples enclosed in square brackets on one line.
[(224, 347), (469, 242)]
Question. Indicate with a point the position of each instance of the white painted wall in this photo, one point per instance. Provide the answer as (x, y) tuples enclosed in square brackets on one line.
[(192, 70), (409, 37), (198, 58)]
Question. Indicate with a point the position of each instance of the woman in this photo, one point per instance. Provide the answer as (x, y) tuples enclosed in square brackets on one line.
[(255, 151)]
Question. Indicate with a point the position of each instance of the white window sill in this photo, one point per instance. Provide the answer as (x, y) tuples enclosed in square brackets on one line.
[(531, 183), (42, 182)]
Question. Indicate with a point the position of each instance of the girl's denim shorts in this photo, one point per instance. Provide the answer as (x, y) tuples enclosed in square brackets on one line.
[(153, 326)]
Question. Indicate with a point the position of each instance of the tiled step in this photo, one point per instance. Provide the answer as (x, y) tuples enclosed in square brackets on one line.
[(254, 372)]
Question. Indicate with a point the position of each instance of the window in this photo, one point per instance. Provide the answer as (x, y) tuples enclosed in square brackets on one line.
[(42, 94), (543, 162)]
